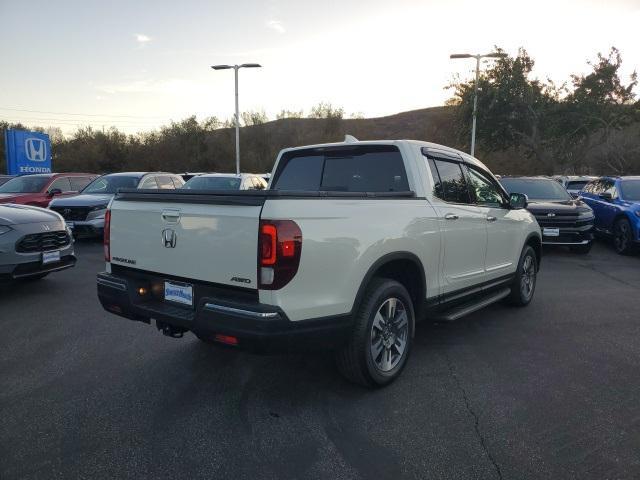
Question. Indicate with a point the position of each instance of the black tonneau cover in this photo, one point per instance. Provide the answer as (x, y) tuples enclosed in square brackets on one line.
[(244, 197)]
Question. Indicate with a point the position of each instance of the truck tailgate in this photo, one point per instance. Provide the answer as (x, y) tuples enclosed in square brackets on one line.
[(201, 241)]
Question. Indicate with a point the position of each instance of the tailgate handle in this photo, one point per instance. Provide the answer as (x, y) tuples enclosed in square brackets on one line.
[(171, 216)]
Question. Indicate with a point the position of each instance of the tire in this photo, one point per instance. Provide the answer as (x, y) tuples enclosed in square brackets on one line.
[(581, 249), (358, 361), (623, 237), (524, 284)]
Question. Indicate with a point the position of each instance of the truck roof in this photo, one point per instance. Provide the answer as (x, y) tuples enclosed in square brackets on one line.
[(351, 141)]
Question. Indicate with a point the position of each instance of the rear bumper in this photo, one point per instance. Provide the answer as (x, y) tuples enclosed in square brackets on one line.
[(257, 327)]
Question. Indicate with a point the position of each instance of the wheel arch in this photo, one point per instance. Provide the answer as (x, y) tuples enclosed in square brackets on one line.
[(404, 267), (535, 241)]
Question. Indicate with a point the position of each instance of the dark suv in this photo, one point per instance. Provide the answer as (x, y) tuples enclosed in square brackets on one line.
[(562, 219)]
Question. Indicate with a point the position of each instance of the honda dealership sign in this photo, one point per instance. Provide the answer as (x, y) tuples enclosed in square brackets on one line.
[(27, 152)]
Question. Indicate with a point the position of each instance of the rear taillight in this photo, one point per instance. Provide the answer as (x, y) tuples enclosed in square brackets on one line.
[(107, 236), (279, 249)]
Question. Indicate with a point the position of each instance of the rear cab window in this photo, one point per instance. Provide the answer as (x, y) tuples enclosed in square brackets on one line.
[(358, 168)]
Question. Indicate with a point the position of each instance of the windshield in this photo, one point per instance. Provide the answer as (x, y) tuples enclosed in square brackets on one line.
[(536, 188), (24, 184), (111, 184), (630, 190), (213, 183), (577, 185)]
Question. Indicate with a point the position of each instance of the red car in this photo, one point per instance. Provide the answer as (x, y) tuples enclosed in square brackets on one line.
[(39, 189)]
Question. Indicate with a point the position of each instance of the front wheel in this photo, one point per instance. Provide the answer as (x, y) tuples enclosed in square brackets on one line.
[(622, 237), (524, 283), (381, 340)]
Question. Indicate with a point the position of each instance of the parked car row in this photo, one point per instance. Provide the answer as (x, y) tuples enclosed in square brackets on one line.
[(606, 206), (35, 241), (569, 216)]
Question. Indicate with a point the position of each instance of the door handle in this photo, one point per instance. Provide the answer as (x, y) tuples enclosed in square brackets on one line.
[(451, 216), (491, 219), (171, 216)]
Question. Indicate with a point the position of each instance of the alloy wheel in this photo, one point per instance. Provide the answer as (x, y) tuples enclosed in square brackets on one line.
[(528, 277), (389, 334)]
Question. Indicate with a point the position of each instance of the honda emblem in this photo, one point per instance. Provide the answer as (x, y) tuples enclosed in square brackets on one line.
[(169, 238)]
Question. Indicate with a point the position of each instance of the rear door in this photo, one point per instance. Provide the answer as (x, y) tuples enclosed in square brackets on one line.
[(463, 226), (201, 241)]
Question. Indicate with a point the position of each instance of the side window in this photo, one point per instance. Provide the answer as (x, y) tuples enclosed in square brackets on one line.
[(78, 183), (437, 184), (453, 186), (598, 186), (258, 183), (164, 182), (149, 182), (178, 182), (588, 187), (61, 183), (486, 192), (610, 187)]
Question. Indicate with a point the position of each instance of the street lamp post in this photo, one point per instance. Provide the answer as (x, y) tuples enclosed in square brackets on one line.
[(475, 97), (236, 68)]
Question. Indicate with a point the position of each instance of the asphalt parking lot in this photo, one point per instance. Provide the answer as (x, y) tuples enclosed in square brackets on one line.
[(549, 391)]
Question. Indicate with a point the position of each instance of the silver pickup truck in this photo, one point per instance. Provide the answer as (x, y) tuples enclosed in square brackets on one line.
[(350, 245)]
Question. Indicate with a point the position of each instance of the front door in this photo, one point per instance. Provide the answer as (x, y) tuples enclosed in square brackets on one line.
[(463, 227), (503, 224)]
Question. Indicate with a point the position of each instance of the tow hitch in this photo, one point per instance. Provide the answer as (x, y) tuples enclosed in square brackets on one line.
[(170, 330)]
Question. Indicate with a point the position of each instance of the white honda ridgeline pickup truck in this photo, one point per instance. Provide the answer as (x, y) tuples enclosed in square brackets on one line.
[(350, 246)]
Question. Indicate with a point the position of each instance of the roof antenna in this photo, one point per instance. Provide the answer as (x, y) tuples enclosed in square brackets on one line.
[(350, 139)]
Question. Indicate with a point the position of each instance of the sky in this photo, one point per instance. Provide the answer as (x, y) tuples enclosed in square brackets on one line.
[(140, 64)]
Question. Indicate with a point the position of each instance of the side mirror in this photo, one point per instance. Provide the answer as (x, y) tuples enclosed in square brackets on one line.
[(518, 201), (606, 196), (54, 191)]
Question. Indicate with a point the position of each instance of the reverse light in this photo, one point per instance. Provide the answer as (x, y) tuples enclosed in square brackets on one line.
[(107, 236), (280, 246)]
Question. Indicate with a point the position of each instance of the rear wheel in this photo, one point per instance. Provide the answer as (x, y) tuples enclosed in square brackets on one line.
[(581, 249), (622, 237), (524, 283), (381, 340)]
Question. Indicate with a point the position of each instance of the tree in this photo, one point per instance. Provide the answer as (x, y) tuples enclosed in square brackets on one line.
[(326, 110), (514, 110), (253, 118), (598, 108)]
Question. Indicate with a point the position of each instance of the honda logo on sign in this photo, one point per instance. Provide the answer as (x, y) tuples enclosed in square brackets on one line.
[(169, 238), (35, 149)]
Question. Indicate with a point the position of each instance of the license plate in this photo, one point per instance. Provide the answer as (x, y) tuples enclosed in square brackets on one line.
[(179, 293), (50, 257), (71, 225), (551, 232)]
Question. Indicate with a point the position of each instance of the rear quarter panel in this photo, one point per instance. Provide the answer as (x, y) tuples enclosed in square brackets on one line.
[(342, 238)]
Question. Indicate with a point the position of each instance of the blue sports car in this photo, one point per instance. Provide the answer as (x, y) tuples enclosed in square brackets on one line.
[(616, 204)]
